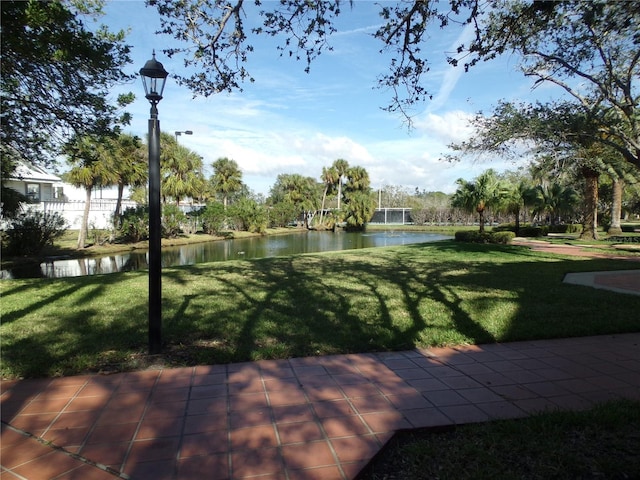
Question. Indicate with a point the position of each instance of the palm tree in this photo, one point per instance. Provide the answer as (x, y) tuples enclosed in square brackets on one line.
[(478, 195), (297, 190), (588, 161), (184, 177), (620, 172), (341, 167), (592, 177), (362, 204), (127, 160), (89, 169), (516, 197), (302, 192), (329, 178), (556, 200), (616, 206), (181, 170), (226, 179), (357, 179)]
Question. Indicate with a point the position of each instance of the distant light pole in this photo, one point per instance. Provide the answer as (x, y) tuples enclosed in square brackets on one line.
[(380, 195), (154, 77), (186, 132)]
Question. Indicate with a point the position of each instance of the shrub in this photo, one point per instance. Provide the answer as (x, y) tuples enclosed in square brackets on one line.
[(172, 220), (472, 236), (30, 232), (532, 231), (484, 237), (502, 238), (282, 213), (328, 221), (419, 216), (213, 218), (505, 227), (134, 224), (570, 228), (248, 215)]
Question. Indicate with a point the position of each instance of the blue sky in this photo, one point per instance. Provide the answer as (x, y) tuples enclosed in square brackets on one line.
[(289, 121)]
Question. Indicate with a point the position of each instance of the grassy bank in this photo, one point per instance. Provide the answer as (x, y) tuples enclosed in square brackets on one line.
[(601, 443), (363, 300)]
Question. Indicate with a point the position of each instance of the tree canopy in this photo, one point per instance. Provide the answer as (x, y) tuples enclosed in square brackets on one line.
[(56, 77), (591, 50), (478, 195), (570, 43), (226, 179)]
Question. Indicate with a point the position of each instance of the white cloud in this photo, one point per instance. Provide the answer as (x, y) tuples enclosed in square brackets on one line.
[(450, 127), (327, 149), (266, 142)]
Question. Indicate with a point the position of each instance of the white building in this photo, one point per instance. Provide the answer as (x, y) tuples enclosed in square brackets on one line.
[(35, 183), (47, 192)]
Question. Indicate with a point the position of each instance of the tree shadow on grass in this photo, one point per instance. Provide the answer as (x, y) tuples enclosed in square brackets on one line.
[(358, 301), (61, 327), (323, 304)]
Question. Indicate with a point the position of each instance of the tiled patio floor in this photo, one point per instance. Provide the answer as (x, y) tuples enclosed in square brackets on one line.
[(309, 418)]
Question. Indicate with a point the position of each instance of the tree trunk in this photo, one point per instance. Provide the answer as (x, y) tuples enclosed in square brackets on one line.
[(481, 219), (616, 208), (119, 200), (324, 197), (590, 226), (118, 210), (84, 226)]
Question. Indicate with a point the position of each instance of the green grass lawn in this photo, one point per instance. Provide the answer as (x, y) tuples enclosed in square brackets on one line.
[(392, 298), (602, 443)]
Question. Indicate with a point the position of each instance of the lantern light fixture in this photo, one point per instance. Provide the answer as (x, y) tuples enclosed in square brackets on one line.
[(154, 77)]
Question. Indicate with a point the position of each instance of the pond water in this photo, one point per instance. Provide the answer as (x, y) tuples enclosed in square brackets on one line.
[(220, 250)]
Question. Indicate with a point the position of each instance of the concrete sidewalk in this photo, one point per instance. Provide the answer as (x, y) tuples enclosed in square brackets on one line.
[(621, 281), (303, 418)]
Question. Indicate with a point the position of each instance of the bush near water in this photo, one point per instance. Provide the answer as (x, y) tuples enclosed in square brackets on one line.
[(502, 238)]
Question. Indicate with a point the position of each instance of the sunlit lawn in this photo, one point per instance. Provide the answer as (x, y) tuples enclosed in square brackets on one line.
[(362, 300)]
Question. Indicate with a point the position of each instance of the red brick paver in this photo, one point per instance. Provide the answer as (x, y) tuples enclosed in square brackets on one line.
[(313, 418)]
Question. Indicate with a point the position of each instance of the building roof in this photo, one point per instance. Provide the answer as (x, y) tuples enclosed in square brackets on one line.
[(30, 173)]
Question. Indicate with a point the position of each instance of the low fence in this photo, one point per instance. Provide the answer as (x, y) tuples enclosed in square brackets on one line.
[(100, 213)]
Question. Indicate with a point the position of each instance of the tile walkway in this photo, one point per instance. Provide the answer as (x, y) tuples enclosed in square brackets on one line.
[(574, 250), (621, 281), (303, 418)]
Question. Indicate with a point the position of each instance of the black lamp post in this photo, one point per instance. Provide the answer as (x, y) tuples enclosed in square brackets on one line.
[(154, 77), (186, 132)]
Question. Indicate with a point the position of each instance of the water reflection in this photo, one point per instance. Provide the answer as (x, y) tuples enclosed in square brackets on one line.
[(220, 250)]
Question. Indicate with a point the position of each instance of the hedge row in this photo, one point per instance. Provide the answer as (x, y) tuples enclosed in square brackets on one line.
[(527, 230), (484, 237)]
